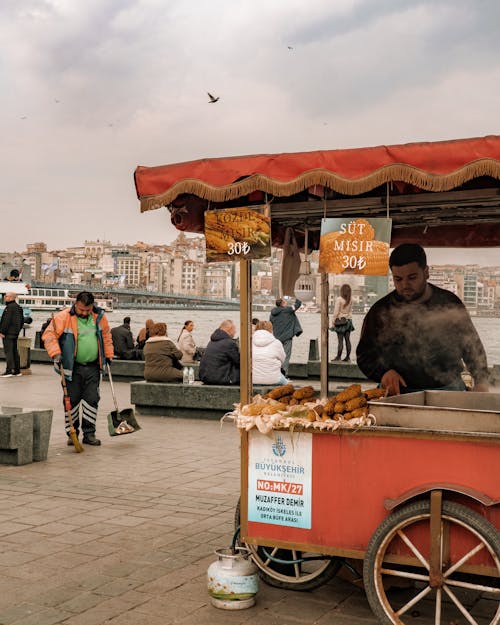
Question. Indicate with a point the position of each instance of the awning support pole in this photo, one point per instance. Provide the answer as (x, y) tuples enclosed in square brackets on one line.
[(246, 391), (324, 336)]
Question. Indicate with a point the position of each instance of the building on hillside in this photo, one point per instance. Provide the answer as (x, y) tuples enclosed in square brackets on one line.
[(217, 280), (129, 266)]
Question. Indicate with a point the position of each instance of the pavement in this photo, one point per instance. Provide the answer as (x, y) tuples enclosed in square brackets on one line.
[(123, 534)]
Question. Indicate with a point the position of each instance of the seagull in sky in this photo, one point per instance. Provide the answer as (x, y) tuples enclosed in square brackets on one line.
[(213, 99), (290, 47)]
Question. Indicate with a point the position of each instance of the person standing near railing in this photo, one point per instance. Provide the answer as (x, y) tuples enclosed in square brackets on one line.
[(342, 322), (11, 324)]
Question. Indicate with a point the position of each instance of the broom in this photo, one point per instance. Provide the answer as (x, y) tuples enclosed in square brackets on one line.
[(67, 406)]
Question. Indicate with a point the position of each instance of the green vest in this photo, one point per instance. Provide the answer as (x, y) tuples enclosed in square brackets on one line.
[(87, 349)]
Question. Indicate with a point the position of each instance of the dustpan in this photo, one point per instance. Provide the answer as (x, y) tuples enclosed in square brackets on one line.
[(120, 421)]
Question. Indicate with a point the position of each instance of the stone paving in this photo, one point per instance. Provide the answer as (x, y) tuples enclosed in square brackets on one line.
[(123, 534)]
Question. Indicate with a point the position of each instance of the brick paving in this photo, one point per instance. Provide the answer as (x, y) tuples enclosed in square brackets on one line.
[(123, 534)]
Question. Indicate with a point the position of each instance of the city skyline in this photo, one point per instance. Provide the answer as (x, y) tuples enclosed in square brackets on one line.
[(484, 257)]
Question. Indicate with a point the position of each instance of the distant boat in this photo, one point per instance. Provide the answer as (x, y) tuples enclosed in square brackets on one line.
[(53, 298)]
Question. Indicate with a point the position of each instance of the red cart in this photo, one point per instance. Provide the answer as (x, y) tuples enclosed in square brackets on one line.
[(420, 507)]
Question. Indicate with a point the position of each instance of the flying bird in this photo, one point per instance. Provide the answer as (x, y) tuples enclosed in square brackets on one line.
[(290, 47), (24, 117), (213, 99)]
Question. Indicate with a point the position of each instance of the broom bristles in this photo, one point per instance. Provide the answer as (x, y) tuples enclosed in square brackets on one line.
[(76, 443)]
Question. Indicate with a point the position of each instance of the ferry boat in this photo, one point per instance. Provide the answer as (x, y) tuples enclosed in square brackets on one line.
[(53, 298)]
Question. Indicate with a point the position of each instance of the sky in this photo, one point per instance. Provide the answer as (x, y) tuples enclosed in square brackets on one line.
[(89, 90)]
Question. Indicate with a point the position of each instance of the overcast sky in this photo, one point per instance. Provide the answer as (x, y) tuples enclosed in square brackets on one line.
[(91, 89)]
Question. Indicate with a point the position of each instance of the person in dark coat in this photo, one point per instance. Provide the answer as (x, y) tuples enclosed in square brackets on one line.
[(220, 363), (285, 326), (11, 324), (419, 336), (161, 356), (123, 341)]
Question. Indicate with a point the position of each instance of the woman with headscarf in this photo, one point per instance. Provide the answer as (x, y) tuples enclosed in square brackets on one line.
[(161, 356)]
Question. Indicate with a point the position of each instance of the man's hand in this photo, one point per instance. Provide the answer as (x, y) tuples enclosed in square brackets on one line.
[(57, 359), (109, 361), (392, 381)]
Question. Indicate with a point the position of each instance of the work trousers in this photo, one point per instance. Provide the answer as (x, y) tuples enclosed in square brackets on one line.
[(83, 391), (12, 362)]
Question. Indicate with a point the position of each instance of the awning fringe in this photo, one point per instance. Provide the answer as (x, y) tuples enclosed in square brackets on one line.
[(398, 172)]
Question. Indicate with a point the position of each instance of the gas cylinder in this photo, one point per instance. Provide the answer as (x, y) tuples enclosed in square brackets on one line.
[(232, 579)]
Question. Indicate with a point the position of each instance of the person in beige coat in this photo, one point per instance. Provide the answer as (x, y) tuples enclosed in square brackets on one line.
[(161, 356), (186, 343)]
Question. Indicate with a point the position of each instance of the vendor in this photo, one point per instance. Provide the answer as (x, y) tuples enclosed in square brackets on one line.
[(419, 336)]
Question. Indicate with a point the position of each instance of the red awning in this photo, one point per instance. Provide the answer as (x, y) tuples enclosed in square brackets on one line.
[(430, 166)]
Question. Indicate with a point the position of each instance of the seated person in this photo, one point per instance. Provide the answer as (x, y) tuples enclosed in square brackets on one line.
[(45, 325), (161, 356), (144, 334), (268, 356), (186, 343), (220, 363), (123, 341)]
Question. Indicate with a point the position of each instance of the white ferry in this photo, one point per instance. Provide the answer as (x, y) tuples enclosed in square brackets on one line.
[(53, 298)]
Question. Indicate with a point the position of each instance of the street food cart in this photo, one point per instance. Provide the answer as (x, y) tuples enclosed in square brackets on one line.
[(402, 502), (416, 498)]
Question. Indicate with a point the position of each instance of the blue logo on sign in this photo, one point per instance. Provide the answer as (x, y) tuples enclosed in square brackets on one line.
[(279, 447)]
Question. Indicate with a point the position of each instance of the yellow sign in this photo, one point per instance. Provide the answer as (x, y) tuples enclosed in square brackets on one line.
[(237, 233), (359, 246)]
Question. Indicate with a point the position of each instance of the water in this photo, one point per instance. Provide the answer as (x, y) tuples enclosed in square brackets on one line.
[(206, 321)]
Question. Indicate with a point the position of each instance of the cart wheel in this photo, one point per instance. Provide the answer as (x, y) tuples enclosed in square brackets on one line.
[(457, 595), (289, 568)]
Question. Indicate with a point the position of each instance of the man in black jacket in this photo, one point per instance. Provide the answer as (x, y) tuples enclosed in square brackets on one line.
[(123, 341), (285, 326), (220, 363), (418, 336), (11, 324)]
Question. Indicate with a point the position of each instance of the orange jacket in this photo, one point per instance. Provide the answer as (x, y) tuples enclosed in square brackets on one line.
[(61, 337)]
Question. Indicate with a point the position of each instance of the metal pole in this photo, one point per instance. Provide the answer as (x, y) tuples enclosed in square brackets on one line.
[(324, 336), (245, 331)]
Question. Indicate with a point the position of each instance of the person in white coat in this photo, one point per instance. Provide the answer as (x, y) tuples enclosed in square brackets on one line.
[(268, 356)]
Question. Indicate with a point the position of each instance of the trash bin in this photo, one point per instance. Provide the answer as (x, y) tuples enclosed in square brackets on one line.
[(24, 349)]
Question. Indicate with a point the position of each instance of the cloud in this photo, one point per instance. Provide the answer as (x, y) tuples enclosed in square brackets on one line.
[(93, 89)]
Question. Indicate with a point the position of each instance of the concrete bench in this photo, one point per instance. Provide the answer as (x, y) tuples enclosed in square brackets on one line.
[(170, 399), (24, 436)]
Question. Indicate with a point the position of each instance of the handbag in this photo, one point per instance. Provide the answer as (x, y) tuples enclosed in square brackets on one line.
[(340, 321)]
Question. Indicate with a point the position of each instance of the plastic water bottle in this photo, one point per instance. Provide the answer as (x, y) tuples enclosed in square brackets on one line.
[(185, 375), (191, 375)]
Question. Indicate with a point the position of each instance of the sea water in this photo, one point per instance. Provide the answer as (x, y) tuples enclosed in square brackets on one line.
[(206, 321)]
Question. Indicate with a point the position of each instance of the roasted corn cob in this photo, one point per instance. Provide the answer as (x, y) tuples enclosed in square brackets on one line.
[(352, 404), (349, 393), (375, 393), (304, 392)]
